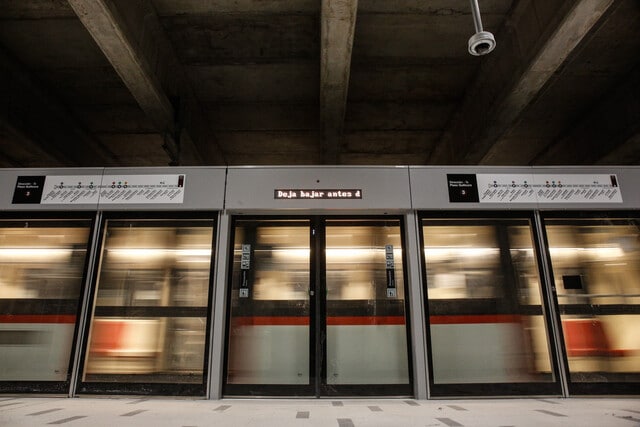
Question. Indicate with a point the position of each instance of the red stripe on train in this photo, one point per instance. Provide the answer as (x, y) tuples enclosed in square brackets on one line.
[(376, 320), (365, 320), (271, 321), (297, 320), (37, 318), (464, 319)]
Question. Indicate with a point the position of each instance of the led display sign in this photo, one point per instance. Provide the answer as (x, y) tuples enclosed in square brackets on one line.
[(327, 194)]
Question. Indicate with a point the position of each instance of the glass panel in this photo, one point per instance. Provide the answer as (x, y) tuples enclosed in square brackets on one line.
[(484, 296), (366, 328), (596, 267), (269, 323), (151, 303), (41, 269)]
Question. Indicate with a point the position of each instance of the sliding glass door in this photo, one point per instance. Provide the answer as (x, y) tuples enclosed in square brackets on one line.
[(269, 347), (316, 308), (364, 307), (42, 271), (150, 313), (488, 328), (595, 260)]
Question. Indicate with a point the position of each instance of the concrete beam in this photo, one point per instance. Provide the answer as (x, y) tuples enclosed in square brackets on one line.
[(604, 131), (132, 39), (537, 39), (338, 20), (38, 129)]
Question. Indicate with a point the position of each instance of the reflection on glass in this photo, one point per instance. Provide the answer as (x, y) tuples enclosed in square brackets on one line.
[(150, 310), (485, 310), (269, 323), (41, 269), (596, 267), (366, 328)]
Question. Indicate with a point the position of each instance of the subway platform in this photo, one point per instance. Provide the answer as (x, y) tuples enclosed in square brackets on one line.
[(18, 411)]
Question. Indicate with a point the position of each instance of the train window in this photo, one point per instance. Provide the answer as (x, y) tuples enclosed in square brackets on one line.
[(484, 302), (41, 272), (151, 303), (596, 268)]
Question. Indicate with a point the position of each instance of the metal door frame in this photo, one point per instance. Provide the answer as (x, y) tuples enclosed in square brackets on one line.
[(317, 318), (59, 387), (553, 388), (579, 388), (142, 388)]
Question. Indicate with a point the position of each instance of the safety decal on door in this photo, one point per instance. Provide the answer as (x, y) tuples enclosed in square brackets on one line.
[(391, 272), (245, 266)]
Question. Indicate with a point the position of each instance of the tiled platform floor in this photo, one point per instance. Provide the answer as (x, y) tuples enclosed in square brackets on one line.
[(16, 411)]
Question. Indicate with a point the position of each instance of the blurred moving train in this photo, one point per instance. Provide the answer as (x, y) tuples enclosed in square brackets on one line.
[(485, 299), (150, 308), (362, 329), (596, 266)]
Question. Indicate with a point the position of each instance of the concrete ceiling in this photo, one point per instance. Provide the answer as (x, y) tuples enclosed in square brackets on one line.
[(240, 82)]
